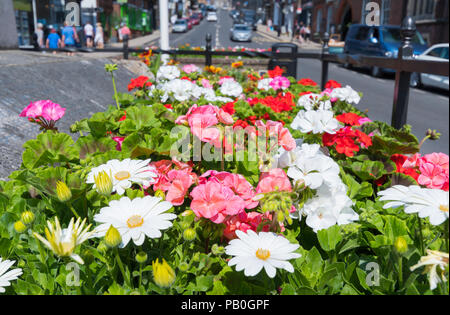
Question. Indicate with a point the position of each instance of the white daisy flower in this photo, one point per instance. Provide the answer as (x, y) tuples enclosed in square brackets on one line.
[(252, 252), (63, 242), (124, 173), (135, 219), (435, 264), (317, 122), (431, 203), (6, 277)]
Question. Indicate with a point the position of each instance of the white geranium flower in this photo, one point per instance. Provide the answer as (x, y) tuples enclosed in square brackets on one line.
[(167, 73), (314, 102), (431, 203), (317, 122), (180, 90), (329, 207), (231, 88), (264, 84), (135, 219), (252, 252), (124, 173), (346, 94), (6, 277), (315, 171), (432, 262)]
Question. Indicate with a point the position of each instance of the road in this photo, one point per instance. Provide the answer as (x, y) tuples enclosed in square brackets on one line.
[(428, 108)]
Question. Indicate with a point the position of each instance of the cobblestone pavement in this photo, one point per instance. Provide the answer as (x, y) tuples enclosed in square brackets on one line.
[(79, 84)]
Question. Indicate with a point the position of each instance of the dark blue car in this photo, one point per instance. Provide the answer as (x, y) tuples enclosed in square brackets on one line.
[(379, 41)]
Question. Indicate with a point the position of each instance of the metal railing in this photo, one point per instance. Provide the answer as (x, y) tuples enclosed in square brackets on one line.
[(404, 64)]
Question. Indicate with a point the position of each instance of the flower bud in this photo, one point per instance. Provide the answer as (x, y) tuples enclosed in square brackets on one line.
[(20, 227), (189, 234), (163, 274), (400, 245), (63, 191), (27, 217), (187, 213), (113, 237), (159, 193), (433, 134), (102, 248), (183, 267), (141, 257), (103, 183), (217, 250)]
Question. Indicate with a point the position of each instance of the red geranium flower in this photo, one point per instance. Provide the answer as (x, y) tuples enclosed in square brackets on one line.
[(229, 108), (307, 82), (277, 72), (399, 160), (123, 117), (139, 82), (304, 93), (331, 84), (346, 140), (350, 119)]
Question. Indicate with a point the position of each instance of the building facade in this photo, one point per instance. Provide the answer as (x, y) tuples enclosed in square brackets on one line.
[(335, 16)]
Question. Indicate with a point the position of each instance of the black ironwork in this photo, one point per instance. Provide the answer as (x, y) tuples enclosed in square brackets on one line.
[(289, 64), (404, 65)]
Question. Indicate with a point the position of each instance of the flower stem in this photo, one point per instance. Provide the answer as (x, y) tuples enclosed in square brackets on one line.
[(75, 213), (122, 269), (446, 236), (400, 270), (422, 246), (115, 91)]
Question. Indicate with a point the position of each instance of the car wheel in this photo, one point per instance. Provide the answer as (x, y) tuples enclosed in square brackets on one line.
[(376, 72), (415, 81)]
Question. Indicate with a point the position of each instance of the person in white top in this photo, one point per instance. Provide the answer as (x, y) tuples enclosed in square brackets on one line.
[(89, 33), (99, 40)]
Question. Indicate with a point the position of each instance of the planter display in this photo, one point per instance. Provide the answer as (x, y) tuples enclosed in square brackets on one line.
[(218, 180)]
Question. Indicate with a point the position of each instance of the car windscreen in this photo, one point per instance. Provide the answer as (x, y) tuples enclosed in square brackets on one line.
[(393, 36), (241, 28), (180, 22)]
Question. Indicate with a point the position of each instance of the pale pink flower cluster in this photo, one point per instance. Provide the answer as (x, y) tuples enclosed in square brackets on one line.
[(274, 180), (276, 129), (43, 109), (280, 83), (434, 170), (206, 84), (190, 68), (202, 120)]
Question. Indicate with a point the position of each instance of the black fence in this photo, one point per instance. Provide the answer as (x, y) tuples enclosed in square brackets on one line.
[(404, 65)]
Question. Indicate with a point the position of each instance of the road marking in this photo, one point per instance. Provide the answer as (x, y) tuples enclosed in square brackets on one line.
[(380, 80)]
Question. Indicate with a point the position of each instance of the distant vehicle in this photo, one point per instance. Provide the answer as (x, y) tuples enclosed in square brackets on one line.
[(195, 19), (249, 17), (234, 14), (241, 33), (379, 41), (180, 26), (437, 52), (211, 8), (211, 17), (189, 22)]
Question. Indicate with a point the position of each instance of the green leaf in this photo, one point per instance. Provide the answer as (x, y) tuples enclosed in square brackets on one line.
[(287, 289), (329, 238)]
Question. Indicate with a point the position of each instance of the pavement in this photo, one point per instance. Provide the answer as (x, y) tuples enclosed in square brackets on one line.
[(77, 83), (263, 30)]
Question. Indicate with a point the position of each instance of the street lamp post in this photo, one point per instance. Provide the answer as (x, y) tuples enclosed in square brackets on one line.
[(164, 27)]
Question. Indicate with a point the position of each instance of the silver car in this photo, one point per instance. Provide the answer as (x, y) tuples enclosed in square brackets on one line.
[(241, 33), (180, 26)]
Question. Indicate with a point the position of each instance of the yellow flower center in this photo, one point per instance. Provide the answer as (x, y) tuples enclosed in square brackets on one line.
[(443, 208), (135, 221), (122, 175), (262, 254)]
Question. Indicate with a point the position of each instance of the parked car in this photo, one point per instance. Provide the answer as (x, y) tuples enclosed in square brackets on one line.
[(180, 26), (234, 14), (211, 17), (336, 45), (195, 20), (249, 17), (379, 41), (437, 52), (241, 33), (189, 23)]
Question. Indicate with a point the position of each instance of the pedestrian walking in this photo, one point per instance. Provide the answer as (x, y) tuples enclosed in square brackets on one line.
[(307, 33), (124, 30), (89, 34), (53, 40), (69, 37), (99, 36), (40, 35)]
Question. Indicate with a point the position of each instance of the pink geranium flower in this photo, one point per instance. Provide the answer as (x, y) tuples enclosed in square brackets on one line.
[(433, 176), (45, 108), (328, 92), (190, 68), (280, 83), (222, 80), (206, 84), (215, 201), (119, 141), (274, 180), (180, 183), (276, 129)]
